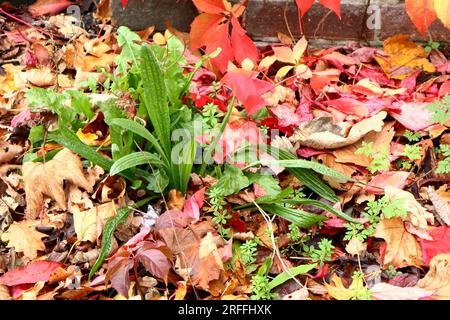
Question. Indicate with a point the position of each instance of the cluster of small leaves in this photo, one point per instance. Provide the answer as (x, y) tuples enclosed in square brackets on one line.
[(294, 233), (444, 165), (261, 289), (440, 110), (412, 152), (412, 136), (358, 231), (221, 215), (248, 253), (432, 45), (389, 209), (380, 162), (211, 115), (360, 291), (391, 272), (365, 149), (321, 254)]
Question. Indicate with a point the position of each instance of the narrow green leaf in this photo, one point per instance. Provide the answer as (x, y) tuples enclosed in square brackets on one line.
[(133, 160), (324, 206), (300, 218), (155, 97), (140, 130), (307, 176), (68, 139), (285, 276), (108, 234), (181, 172)]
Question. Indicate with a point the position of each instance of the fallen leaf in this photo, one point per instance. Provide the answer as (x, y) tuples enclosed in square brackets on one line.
[(323, 134), (24, 238), (89, 223), (417, 215), (47, 179), (338, 291), (39, 270), (42, 77), (437, 279), (403, 58), (440, 204), (4, 293), (422, 14), (440, 243), (386, 291), (356, 247), (402, 248), (9, 151)]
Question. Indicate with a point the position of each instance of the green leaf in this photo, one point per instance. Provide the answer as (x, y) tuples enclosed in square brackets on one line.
[(181, 171), (133, 160), (324, 206), (232, 181), (300, 218), (155, 97), (307, 176), (140, 130), (267, 182), (285, 276), (68, 139), (108, 234), (81, 103), (130, 50)]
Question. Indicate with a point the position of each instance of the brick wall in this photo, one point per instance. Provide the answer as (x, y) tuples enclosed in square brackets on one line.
[(369, 21)]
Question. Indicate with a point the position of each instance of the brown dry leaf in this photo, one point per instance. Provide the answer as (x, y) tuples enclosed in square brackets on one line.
[(66, 25), (39, 77), (438, 277), (355, 247), (4, 293), (330, 161), (24, 238), (89, 223), (11, 82), (402, 248), (440, 204), (9, 151), (381, 140), (197, 254), (48, 178), (176, 200), (403, 58), (417, 214), (322, 134)]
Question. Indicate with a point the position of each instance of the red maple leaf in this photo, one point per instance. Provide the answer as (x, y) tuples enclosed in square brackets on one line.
[(218, 27), (439, 244)]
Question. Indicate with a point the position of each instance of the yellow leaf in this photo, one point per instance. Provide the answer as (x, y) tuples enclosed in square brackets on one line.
[(337, 290), (24, 238), (88, 138), (402, 247), (284, 54), (299, 49), (283, 72), (159, 39), (404, 57), (267, 62), (442, 8)]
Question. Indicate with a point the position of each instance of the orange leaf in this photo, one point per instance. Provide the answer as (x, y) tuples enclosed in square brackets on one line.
[(210, 6), (442, 8), (422, 13), (200, 27), (333, 5)]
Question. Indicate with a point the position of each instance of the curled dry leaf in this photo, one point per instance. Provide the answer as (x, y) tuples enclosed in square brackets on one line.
[(322, 134), (417, 214), (386, 291), (89, 223), (402, 248), (440, 204), (41, 77), (24, 238), (355, 247), (437, 279), (9, 151), (48, 178)]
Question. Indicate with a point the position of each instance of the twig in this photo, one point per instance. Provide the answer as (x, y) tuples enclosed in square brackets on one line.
[(25, 23)]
